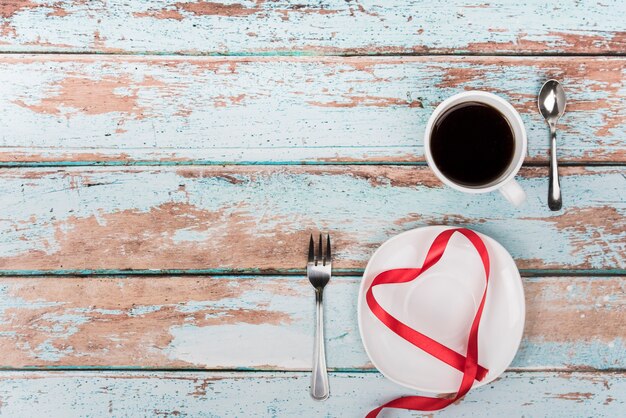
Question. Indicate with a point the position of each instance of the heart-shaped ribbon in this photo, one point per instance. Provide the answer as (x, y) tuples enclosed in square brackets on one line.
[(467, 364)]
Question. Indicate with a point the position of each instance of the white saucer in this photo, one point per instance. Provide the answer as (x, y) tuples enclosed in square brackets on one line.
[(441, 304)]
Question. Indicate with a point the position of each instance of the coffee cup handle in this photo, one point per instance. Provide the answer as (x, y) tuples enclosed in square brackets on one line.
[(513, 192)]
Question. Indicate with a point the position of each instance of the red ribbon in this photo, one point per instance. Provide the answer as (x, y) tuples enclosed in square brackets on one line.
[(467, 364)]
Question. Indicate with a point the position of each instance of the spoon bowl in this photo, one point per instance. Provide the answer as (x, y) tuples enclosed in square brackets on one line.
[(552, 101)]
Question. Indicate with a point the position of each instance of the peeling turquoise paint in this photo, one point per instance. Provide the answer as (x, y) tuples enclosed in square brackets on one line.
[(353, 207), (226, 341), (348, 109), (331, 27), (63, 394), (299, 109), (593, 354), (48, 352)]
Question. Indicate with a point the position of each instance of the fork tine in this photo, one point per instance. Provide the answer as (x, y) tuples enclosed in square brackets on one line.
[(320, 254), (328, 258), (311, 250)]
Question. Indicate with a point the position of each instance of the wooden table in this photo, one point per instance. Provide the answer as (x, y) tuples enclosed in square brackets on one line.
[(164, 163)]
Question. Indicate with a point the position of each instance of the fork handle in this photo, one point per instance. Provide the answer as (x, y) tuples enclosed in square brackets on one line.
[(319, 378)]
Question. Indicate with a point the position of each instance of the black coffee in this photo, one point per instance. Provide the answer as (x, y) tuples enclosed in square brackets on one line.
[(472, 144)]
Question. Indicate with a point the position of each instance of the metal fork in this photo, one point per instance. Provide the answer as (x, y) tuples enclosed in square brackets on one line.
[(318, 270)]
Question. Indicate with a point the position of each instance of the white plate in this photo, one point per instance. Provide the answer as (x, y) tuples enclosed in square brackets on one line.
[(441, 304)]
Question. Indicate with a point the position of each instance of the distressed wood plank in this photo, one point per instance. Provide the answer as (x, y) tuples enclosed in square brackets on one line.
[(328, 27), (258, 218), (121, 109), (266, 323), (74, 394)]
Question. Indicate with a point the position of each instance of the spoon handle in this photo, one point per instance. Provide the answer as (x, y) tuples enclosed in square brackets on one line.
[(554, 189)]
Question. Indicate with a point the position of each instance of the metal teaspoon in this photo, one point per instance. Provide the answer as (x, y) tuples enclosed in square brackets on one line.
[(552, 107)]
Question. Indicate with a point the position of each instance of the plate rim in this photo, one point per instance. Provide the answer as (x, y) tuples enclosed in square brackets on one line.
[(519, 283)]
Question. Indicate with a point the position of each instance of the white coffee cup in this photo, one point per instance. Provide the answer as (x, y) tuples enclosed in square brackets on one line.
[(506, 183)]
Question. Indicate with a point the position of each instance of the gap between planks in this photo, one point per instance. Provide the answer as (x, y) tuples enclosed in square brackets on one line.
[(209, 273), (63, 164), (307, 53), (242, 370)]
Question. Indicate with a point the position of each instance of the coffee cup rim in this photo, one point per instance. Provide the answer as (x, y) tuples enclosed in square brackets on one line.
[(512, 116)]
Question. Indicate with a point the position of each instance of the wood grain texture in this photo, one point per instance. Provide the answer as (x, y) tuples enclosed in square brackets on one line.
[(315, 27), (79, 394), (210, 110), (266, 323), (272, 105), (258, 218)]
